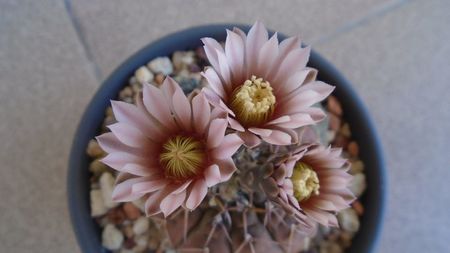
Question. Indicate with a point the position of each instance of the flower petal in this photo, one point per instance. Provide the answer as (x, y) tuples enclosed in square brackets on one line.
[(278, 137), (130, 114), (212, 175), (182, 109), (224, 71), (226, 167), (172, 202), (139, 170), (201, 112), (267, 56), (211, 47), (250, 139), (234, 51), (129, 135), (197, 194), (230, 144), (149, 186), (110, 144), (235, 125), (118, 160), (156, 104), (295, 61), (256, 38), (263, 132), (216, 132), (123, 191), (215, 83)]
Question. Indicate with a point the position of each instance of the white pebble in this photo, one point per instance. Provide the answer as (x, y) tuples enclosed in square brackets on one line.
[(161, 65), (141, 243), (112, 238), (140, 203), (330, 247), (107, 186), (141, 226), (98, 207), (358, 184), (357, 167), (348, 220), (143, 75)]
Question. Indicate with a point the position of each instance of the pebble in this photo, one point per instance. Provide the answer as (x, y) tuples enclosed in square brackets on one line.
[(159, 79), (182, 59), (340, 141), (335, 122), (345, 239), (107, 186), (353, 149), (109, 111), (98, 207), (161, 65), (153, 243), (358, 184), (131, 211), (128, 231), (125, 93), (143, 75), (334, 106), (358, 207), (348, 220), (116, 216), (94, 150), (141, 243), (330, 247), (356, 167), (345, 130), (112, 238), (141, 225), (97, 167), (139, 203)]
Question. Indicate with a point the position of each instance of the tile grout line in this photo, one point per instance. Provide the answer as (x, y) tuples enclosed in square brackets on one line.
[(79, 33), (360, 22)]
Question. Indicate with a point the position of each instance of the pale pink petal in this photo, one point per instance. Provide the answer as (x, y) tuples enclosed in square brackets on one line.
[(317, 215), (150, 186), (172, 202), (285, 47), (169, 87), (250, 139), (234, 51), (118, 160), (129, 114), (235, 125), (240, 33), (182, 109), (292, 83), (230, 144), (226, 108), (322, 204), (256, 38), (182, 187), (295, 61), (263, 132), (282, 119), (216, 132), (215, 83), (129, 135), (211, 46), (123, 191), (224, 71), (323, 89), (152, 205), (299, 101), (297, 120), (139, 170), (267, 56), (110, 144), (317, 114), (212, 175), (226, 167), (201, 112), (278, 137), (211, 96), (157, 105), (197, 194)]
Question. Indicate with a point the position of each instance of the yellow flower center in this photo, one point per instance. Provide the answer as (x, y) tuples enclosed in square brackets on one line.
[(182, 157), (253, 102), (305, 182)]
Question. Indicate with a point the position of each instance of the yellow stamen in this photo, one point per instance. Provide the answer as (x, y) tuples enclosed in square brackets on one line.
[(253, 102), (305, 182), (182, 157)]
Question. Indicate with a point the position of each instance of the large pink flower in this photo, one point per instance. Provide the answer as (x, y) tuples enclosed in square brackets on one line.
[(313, 181), (264, 85), (168, 149)]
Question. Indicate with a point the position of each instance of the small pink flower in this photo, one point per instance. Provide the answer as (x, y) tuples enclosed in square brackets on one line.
[(313, 181), (168, 149), (263, 85)]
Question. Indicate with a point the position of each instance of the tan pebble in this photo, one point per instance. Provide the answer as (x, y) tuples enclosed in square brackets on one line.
[(334, 106), (345, 130), (358, 184), (357, 167), (353, 149), (94, 150), (137, 88), (141, 225), (112, 238), (358, 207), (109, 120), (96, 167), (128, 231), (345, 239), (109, 111), (159, 78), (107, 187), (98, 207), (348, 220), (143, 75), (153, 243), (335, 122), (131, 211)]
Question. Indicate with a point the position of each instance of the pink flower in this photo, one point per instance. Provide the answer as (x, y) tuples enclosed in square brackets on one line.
[(263, 85), (313, 181), (168, 149)]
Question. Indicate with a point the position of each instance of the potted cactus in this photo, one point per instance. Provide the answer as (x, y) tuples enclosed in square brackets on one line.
[(231, 143)]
